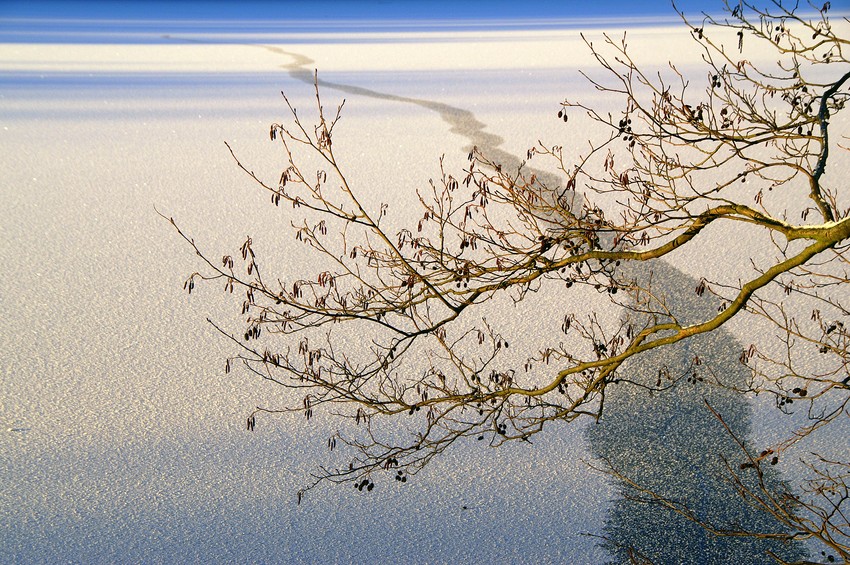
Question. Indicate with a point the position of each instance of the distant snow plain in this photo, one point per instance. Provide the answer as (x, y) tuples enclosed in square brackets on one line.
[(123, 440)]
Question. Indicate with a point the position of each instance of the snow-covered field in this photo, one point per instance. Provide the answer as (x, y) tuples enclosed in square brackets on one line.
[(123, 440)]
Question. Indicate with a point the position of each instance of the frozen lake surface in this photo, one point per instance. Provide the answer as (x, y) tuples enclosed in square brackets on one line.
[(123, 440), (132, 442)]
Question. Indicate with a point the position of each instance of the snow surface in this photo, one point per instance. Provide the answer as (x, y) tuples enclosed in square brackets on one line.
[(123, 440)]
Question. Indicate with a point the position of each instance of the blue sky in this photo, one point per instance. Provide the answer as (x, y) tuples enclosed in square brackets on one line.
[(98, 20), (343, 9)]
